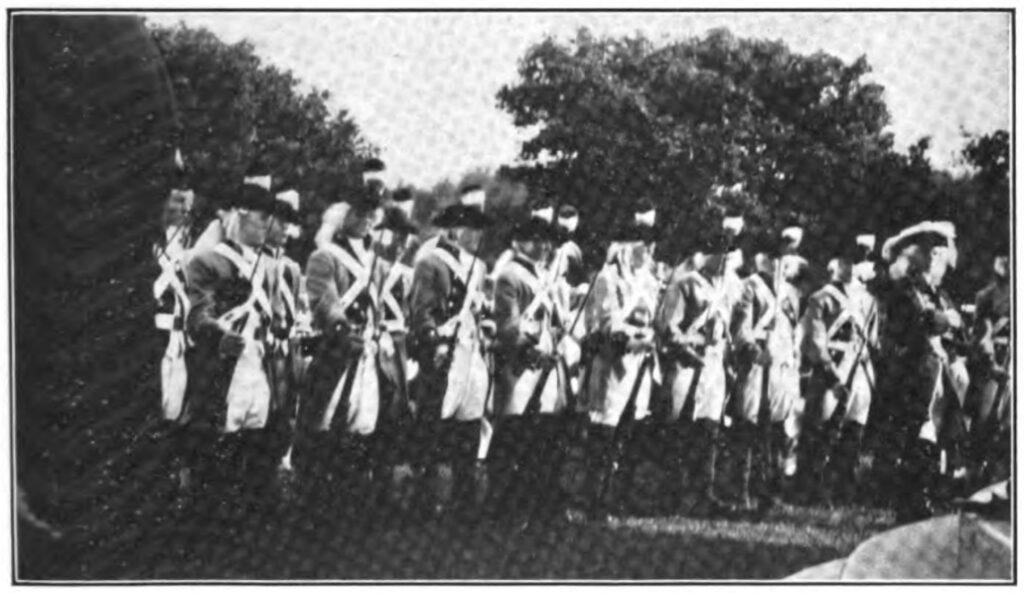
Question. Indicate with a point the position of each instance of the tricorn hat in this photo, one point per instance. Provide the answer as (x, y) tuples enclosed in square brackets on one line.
[(535, 228), (396, 220), (286, 206), (366, 198), (254, 192), (461, 215)]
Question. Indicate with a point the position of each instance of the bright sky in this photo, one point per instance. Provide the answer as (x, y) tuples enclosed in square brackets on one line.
[(422, 86)]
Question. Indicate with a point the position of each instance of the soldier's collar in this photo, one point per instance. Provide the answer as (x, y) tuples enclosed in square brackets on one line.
[(449, 246), (526, 263), (244, 250)]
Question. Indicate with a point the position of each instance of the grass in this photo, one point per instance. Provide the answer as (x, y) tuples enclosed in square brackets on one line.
[(125, 530)]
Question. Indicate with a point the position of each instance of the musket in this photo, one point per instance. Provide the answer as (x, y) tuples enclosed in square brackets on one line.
[(353, 364), (626, 420), (834, 423), (549, 365)]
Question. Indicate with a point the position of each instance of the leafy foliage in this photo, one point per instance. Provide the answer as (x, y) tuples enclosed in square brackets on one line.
[(237, 111), (802, 138)]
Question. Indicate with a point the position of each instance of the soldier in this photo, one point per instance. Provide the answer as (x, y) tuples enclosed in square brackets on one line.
[(228, 398), (338, 418), (623, 368), (291, 319), (767, 355), (172, 311), (693, 325), (571, 291), (451, 388), (920, 319), (838, 338), (470, 196), (988, 400), (390, 445), (172, 300), (373, 181), (225, 225), (530, 388)]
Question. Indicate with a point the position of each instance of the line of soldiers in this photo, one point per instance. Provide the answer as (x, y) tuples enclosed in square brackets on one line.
[(388, 351)]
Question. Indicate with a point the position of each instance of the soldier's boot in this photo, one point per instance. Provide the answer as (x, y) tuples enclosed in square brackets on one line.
[(498, 506), (708, 502), (847, 458), (679, 465), (600, 469), (464, 506), (746, 442), (915, 500), (816, 459), (779, 464)]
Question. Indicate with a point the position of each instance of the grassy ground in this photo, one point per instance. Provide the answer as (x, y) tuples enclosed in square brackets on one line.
[(118, 525)]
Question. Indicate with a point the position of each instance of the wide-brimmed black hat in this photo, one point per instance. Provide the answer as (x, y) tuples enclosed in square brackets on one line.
[(254, 195), (460, 215), (286, 206), (395, 220), (365, 199)]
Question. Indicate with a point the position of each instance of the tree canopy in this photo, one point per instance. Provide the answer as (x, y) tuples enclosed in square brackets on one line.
[(716, 123), (236, 111)]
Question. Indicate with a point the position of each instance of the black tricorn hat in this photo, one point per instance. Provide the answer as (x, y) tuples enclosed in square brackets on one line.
[(460, 215), (254, 193), (537, 229), (402, 194), (396, 221), (366, 198), (636, 231), (373, 165), (286, 206)]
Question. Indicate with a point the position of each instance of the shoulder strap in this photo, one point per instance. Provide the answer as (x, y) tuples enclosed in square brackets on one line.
[(397, 272), (845, 312), (701, 320), (359, 272), (460, 270), (768, 316), (541, 296), (257, 306)]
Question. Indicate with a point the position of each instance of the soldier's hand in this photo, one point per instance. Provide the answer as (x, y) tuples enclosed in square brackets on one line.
[(954, 319), (842, 395), (763, 357), (231, 345), (280, 331), (441, 355)]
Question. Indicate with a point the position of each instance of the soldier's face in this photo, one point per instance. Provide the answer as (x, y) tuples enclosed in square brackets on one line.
[(636, 254), (174, 213), (1001, 266), (277, 233), (939, 262), (253, 227), (359, 223), (536, 250), (468, 239)]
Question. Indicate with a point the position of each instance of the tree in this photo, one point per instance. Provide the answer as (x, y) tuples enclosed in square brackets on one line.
[(619, 119), (237, 111)]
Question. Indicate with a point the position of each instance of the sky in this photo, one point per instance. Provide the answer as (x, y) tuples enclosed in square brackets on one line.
[(422, 86)]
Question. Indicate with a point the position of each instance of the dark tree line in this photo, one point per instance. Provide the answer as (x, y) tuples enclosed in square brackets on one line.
[(718, 123)]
